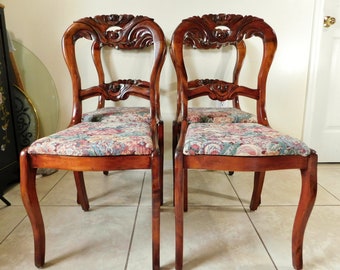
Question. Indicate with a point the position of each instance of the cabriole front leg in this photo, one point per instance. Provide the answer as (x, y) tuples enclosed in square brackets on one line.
[(31, 203), (305, 206)]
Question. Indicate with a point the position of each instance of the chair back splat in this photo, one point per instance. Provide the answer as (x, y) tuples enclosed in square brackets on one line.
[(118, 33), (214, 32), (119, 137), (128, 33), (221, 141)]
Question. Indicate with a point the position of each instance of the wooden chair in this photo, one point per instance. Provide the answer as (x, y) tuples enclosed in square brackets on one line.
[(226, 114), (199, 114), (104, 113), (121, 144), (235, 146)]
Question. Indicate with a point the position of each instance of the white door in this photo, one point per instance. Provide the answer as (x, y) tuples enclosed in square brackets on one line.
[(322, 118)]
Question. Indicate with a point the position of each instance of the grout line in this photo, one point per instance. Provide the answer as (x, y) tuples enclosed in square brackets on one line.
[(134, 223), (329, 192), (50, 190), (26, 216), (253, 225), (14, 228)]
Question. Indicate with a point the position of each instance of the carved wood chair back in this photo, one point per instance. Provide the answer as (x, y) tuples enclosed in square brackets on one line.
[(108, 35), (120, 32), (212, 33)]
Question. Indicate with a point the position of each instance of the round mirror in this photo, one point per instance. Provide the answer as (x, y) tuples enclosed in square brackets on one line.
[(39, 87)]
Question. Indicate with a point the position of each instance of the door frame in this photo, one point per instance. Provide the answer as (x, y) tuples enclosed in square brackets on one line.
[(317, 28)]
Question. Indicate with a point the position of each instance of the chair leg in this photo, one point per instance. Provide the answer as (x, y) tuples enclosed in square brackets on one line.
[(174, 145), (81, 191), (185, 189), (175, 135), (31, 203), (179, 210), (156, 205), (305, 206), (257, 190), (161, 148)]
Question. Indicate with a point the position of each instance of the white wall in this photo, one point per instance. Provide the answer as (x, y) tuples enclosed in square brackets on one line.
[(39, 26)]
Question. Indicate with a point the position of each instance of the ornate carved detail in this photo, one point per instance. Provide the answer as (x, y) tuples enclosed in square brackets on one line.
[(216, 89), (119, 31), (214, 31), (121, 89), (24, 121), (4, 120), (5, 114)]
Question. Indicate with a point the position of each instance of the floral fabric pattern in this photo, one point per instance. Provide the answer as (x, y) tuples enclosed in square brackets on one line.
[(97, 139), (240, 139), (220, 115), (118, 114)]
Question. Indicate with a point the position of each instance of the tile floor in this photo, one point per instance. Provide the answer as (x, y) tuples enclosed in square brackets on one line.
[(220, 231)]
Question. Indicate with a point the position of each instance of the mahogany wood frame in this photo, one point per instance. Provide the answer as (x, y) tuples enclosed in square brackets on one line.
[(129, 33), (204, 33)]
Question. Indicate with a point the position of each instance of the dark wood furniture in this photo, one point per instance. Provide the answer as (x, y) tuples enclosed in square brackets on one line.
[(102, 145), (221, 113), (9, 152), (235, 146)]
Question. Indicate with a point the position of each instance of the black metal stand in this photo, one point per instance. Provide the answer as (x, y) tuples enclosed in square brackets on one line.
[(5, 201)]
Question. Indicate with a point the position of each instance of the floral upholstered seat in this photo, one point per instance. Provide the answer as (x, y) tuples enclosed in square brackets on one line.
[(118, 114), (97, 139), (220, 115), (240, 139)]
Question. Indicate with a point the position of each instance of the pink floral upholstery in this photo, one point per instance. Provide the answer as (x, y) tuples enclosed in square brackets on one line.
[(118, 114), (219, 115), (97, 139), (240, 139)]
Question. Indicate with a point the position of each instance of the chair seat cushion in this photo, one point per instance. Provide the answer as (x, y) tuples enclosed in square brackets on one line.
[(240, 139), (118, 114), (220, 115), (97, 139)]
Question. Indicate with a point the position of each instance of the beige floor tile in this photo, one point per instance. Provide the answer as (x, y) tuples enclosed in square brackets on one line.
[(210, 188), (118, 188), (329, 178), (141, 250), (44, 185), (322, 239), (10, 217), (218, 232), (205, 188), (280, 188), (274, 225), (98, 239), (218, 238), (222, 238)]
